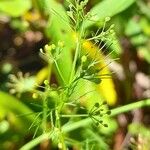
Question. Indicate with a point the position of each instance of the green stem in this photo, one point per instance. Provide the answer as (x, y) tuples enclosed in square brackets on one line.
[(74, 116), (77, 51), (44, 121), (60, 74), (75, 60), (59, 127), (45, 107), (36, 141), (129, 107)]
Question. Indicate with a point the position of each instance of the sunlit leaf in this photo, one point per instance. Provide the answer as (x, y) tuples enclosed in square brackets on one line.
[(108, 8), (15, 8)]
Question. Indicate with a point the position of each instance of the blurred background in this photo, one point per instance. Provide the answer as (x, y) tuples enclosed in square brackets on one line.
[(26, 26)]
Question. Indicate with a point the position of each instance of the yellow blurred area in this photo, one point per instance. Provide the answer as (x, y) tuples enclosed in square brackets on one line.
[(42, 75), (32, 16), (106, 87)]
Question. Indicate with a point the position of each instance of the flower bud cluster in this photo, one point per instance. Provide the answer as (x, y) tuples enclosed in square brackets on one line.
[(97, 113), (52, 52)]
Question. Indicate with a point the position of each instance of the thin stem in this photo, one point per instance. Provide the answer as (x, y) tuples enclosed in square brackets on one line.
[(77, 51), (72, 116), (94, 38), (36, 141), (59, 127), (129, 107), (60, 74), (44, 121), (75, 60)]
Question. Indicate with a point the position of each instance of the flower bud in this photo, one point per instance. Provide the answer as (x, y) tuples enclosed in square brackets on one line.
[(47, 48), (107, 19), (34, 95), (53, 46), (60, 44), (46, 82), (83, 59)]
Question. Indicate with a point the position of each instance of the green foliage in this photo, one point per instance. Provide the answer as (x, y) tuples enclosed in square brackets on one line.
[(108, 8), (67, 107), (15, 8)]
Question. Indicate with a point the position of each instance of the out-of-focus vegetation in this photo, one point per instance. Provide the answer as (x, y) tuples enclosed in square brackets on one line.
[(31, 71)]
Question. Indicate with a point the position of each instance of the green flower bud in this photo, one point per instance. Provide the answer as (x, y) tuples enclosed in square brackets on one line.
[(53, 46), (46, 82), (47, 48), (105, 125), (107, 19), (60, 44), (83, 59), (108, 112), (35, 95), (97, 105)]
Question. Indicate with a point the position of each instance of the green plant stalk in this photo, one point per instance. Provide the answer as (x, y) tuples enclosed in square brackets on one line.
[(86, 122), (74, 116), (59, 127), (75, 59), (129, 107), (44, 119), (36, 141), (78, 46), (45, 107), (77, 52), (60, 74)]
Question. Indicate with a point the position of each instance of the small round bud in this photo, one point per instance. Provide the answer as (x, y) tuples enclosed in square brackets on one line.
[(53, 46), (60, 44), (105, 125), (41, 50), (107, 19), (111, 31), (108, 112), (34, 95), (46, 82), (101, 121), (83, 59), (97, 105), (47, 47)]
